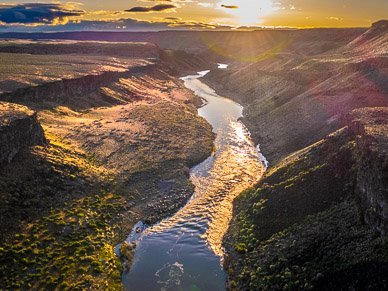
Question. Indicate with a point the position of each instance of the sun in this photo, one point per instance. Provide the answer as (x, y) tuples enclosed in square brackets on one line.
[(249, 12)]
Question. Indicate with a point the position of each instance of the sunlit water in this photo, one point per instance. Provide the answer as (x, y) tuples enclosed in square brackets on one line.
[(184, 252)]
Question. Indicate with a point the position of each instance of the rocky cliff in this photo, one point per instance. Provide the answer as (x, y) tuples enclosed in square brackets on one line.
[(132, 50), (370, 126), (19, 129), (64, 91)]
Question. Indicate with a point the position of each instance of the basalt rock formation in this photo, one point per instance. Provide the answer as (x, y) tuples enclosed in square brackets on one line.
[(66, 90), (370, 126), (19, 129)]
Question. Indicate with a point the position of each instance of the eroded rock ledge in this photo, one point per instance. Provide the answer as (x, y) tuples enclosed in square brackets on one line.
[(62, 91), (19, 129), (369, 125)]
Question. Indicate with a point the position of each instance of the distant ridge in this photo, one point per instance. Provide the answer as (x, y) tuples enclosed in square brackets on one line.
[(374, 41), (381, 24)]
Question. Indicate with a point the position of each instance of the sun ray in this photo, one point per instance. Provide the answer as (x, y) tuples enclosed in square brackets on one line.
[(249, 12)]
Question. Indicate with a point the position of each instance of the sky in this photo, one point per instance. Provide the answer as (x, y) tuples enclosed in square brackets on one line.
[(154, 15)]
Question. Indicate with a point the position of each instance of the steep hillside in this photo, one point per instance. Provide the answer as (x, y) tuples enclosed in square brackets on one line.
[(317, 220), (293, 100), (303, 226), (373, 41), (181, 63), (371, 128)]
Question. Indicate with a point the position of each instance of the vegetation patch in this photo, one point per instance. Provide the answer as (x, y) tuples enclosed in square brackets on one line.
[(301, 227), (67, 204)]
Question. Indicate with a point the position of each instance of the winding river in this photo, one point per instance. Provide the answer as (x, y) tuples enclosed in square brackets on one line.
[(184, 252)]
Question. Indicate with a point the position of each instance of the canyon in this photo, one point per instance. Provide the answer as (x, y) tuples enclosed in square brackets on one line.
[(88, 152), (109, 140)]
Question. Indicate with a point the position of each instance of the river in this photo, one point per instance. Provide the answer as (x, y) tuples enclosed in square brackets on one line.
[(184, 252)]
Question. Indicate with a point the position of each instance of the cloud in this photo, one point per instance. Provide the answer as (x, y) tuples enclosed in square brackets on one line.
[(229, 6), (103, 12), (124, 24), (173, 18), (156, 8), (38, 13), (206, 4)]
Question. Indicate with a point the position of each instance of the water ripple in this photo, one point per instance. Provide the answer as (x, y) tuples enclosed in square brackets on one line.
[(184, 252)]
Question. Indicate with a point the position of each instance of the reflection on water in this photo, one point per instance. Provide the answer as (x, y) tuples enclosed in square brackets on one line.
[(184, 252), (222, 66)]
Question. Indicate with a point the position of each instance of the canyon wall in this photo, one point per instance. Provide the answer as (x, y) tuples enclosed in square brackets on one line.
[(19, 129), (129, 50), (61, 91), (319, 217), (369, 125), (119, 150), (293, 99)]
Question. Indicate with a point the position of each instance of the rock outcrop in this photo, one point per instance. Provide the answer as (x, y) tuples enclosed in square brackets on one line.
[(19, 129), (382, 24), (60, 92), (370, 126), (372, 42)]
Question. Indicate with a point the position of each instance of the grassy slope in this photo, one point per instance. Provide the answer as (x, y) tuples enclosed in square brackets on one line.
[(58, 214), (302, 226)]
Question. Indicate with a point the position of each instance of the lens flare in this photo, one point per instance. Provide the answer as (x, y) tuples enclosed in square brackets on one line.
[(249, 12), (250, 53)]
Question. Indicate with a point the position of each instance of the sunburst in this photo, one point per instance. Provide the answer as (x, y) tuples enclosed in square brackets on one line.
[(249, 12)]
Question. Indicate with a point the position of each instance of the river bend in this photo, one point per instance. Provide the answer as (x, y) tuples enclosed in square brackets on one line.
[(184, 252)]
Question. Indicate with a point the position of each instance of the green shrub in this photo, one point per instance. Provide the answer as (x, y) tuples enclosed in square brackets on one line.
[(241, 248)]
